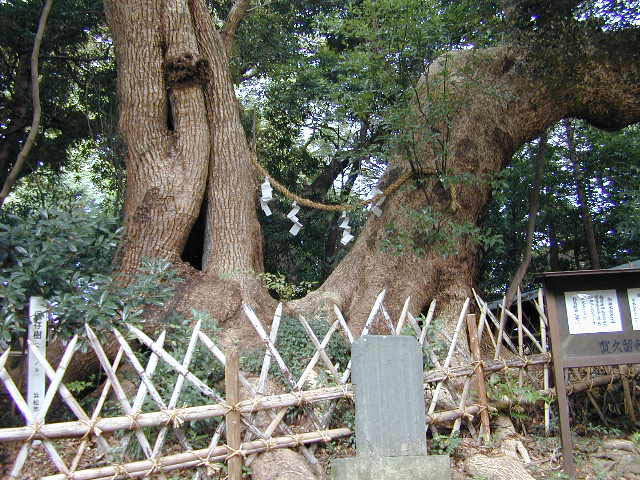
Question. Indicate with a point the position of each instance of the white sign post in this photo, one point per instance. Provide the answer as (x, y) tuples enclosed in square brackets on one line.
[(38, 337)]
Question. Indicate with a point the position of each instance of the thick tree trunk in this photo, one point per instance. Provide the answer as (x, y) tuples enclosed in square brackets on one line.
[(503, 107), (180, 119), (165, 127)]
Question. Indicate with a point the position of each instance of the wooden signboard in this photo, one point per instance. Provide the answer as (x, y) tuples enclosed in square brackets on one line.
[(594, 319)]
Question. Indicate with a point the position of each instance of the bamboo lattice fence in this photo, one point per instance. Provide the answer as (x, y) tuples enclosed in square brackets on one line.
[(151, 426)]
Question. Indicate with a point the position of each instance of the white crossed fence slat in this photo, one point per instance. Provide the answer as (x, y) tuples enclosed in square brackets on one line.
[(168, 417)]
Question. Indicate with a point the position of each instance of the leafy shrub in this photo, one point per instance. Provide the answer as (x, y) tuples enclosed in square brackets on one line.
[(65, 256)]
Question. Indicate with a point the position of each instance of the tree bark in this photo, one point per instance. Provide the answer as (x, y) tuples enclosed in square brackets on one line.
[(583, 201)]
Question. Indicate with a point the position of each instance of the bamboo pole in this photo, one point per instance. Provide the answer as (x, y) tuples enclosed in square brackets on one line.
[(427, 322), (520, 337), (437, 375), (199, 384), (434, 399), (117, 388), (403, 316), (320, 349), (38, 418), (71, 402), (482, 389), (495, 322), (189, 414), (252, 391), (257, 325), (545, 378), (168, 463), (232, 418), (137, 366), (94, 416), (316, 356), (266, 362), (387, 320), (527, 332), (141, 394), (175, 394)]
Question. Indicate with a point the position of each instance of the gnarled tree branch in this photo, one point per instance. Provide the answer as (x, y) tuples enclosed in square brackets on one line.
[(236, 14), (35, 88)]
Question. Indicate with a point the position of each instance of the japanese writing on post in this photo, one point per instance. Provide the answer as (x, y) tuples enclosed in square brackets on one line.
[(38, 337), (593, 311)]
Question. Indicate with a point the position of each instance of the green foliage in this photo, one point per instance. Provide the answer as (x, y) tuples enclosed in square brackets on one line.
[(432, 230), (77, 85), (65, 256), (507, 387), (283, 290), (609, 165), (445, 444)]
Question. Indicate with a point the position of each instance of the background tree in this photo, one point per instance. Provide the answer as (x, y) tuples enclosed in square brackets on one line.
[(559, 243), (77, 82)]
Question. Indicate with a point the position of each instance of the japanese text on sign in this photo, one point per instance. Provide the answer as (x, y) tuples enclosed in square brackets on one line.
[(38, 338), (626, 345), (634, 305), (593, 311)]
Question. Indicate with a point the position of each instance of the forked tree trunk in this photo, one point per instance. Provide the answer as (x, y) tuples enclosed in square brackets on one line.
[(180, 119), (179, 116)]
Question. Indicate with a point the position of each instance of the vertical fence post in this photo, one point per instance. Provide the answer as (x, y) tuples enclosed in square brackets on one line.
[(474, 343), (232, 418), (545, 349), (628, 401)]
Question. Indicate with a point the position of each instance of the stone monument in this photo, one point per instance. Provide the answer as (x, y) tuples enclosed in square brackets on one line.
[(390, 414)]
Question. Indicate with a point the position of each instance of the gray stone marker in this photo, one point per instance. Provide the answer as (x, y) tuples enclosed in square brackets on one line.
[(390, 418)]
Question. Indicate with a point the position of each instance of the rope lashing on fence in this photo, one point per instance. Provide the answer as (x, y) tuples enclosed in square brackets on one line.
[(477, 365), (231, 408), (175, 417), (300, 398), (133, 418), (156, 466), (119, 471), (36, 427), (92, 427), (505, 367), (234, 452), (255, 403)]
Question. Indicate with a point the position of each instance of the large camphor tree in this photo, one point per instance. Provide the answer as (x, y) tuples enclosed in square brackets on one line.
[(181, 121)]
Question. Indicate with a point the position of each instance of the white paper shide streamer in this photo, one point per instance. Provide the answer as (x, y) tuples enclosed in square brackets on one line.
[(346, 229), (296, 221), (377, 211), (267, 194)]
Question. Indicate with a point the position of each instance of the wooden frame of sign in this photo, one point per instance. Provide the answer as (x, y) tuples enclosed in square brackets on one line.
[(594, 319)]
